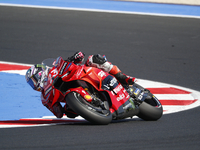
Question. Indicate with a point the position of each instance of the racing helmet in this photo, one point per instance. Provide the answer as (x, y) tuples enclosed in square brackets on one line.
[(35, 76)]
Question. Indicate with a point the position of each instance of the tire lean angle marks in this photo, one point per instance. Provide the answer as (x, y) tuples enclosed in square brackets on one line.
[(173, 98)]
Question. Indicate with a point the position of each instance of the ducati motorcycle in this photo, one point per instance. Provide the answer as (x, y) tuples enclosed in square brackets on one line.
[(98, 96)]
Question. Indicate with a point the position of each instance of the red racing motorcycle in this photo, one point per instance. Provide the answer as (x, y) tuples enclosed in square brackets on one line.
[(98, 96)]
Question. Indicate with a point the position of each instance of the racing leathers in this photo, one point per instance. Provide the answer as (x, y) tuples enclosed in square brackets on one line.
[(102, 63)]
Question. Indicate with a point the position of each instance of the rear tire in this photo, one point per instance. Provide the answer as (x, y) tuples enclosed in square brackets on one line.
[(150, 113), (86, 110)]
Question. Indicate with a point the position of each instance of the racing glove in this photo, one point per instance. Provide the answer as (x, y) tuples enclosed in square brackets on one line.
[(77, 58)]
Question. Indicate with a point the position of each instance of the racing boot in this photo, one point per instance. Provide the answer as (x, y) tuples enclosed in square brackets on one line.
[(124, 80), (121, 77)]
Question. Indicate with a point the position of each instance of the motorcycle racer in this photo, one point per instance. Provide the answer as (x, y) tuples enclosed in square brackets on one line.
[(37, 77)]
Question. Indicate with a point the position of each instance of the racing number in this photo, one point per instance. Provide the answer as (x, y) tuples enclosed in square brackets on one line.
[(52, 74)]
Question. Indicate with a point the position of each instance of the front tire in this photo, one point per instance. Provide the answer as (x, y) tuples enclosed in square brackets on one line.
[(88, 111)]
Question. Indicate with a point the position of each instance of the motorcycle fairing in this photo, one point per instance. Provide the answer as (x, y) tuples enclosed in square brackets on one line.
[(103, 81), (128, 109), (120, 105), (94, 76)]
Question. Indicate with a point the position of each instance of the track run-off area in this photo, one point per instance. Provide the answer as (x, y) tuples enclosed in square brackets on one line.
[(173, 98)]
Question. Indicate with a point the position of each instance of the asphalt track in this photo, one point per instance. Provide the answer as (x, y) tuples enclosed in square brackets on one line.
[(164, 49)]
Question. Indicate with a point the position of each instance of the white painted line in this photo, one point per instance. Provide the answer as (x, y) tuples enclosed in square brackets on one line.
[(14, 63), (174, 96), (20, 72)]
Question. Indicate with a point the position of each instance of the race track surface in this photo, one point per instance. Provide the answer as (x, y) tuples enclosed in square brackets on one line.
[(164, 49)]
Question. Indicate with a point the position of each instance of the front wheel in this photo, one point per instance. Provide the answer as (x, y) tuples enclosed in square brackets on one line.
[(93, 114)]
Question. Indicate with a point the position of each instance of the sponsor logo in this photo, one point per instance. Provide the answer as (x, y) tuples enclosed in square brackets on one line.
[(89, 69), (63, 67), (137, 91), (117, 89), (88, 97), (65, 75), (121, 96), (113, 81), (141, 96), (83, 92), (101, 74)]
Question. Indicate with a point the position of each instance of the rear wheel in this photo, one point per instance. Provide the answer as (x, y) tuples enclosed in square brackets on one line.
[(94, 114), (150, 109)]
